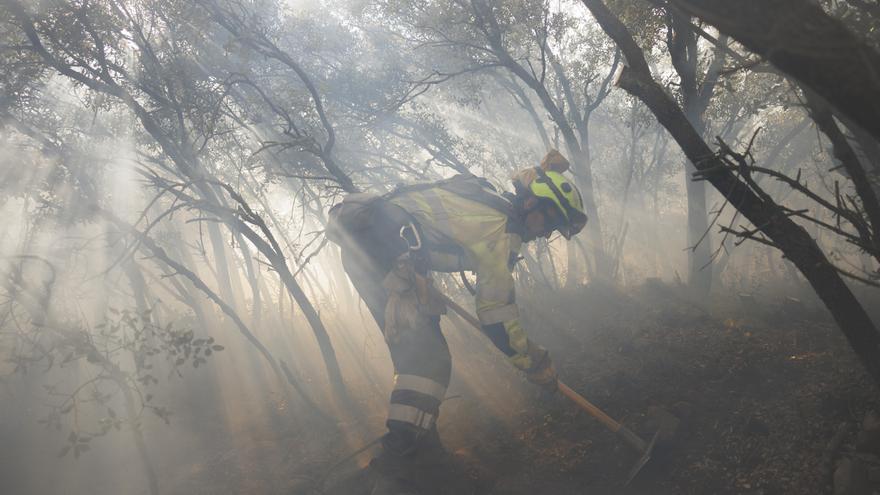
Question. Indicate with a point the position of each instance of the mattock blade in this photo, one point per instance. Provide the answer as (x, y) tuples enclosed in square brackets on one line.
[(646, 456)]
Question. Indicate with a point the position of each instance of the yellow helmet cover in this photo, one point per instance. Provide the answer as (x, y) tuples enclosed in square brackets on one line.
[(561, 192)]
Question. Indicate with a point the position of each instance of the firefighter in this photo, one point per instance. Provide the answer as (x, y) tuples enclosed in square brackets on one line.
[(390, 243)]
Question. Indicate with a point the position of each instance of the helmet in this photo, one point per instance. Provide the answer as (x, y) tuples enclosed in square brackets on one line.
[(553, 186)]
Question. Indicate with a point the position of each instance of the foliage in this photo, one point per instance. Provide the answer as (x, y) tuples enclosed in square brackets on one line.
[(118, 363)]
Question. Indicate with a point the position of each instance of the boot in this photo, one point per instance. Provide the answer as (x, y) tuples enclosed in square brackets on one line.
[(392, 474), (391, 486), (426, 470)]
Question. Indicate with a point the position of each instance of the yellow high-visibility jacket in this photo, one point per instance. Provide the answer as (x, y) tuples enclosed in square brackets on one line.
[(461, 233)]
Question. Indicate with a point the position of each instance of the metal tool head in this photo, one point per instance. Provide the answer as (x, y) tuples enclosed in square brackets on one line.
[(646, 456)]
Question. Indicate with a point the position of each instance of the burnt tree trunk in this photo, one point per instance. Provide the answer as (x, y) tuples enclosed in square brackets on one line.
[(845, 153), (793, 240), (803, 41), (696, 95)]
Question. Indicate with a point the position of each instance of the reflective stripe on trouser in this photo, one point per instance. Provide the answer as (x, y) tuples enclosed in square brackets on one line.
[(423, 366), (422, 363), (416, 400)]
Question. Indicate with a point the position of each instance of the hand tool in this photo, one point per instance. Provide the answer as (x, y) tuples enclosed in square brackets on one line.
[(643, 448)]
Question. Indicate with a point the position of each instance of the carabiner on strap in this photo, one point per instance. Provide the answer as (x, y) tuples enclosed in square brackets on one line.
[(415, 236)]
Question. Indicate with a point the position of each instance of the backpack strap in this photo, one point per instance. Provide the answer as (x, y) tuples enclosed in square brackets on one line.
[(474, 188)]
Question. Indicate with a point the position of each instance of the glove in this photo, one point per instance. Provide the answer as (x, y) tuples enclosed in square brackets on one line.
[(541, 372)]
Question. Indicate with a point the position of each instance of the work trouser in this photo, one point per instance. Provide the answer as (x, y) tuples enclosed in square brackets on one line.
[(422, 363)]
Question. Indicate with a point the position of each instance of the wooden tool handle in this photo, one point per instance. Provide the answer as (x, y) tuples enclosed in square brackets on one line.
[(589, 407), (630, 437), (575, 397), (461, 311), (568, 392)]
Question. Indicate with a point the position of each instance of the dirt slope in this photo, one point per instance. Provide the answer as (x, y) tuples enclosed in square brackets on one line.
[(759, 385)]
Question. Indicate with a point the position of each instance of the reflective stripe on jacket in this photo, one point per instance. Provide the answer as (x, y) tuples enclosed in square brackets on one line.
[(464, 234)]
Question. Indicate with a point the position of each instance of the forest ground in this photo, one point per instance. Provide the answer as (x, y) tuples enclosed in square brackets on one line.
[(760, 385)]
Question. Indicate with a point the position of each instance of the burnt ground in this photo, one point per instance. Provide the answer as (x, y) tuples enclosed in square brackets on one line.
[(760, 389), (760, 386)]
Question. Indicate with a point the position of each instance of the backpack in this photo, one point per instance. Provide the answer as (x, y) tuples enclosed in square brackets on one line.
[(351, 215)]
